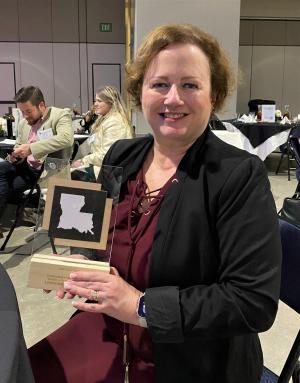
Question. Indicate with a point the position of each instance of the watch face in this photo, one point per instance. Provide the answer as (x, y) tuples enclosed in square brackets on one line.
[(142, 308)]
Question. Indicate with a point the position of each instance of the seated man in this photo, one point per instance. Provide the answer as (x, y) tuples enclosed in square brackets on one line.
[(43, 131)]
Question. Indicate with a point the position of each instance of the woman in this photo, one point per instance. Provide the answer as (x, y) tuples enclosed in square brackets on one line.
[(112, 124), (196, 252)]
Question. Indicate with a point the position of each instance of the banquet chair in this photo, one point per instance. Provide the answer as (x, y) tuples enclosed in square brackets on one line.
[(288, 151), (295, 147), (21, 203), (289, 294), (216, 124), (75, 150)]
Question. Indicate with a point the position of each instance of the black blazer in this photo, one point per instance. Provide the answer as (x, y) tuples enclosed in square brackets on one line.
[(14, 362), (214, 274)]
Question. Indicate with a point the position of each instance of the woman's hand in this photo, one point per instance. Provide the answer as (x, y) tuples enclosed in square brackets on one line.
[(76, 164), (61, 293), (112, 294)]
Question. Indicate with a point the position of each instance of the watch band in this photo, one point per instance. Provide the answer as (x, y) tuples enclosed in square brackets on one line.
[(141, 311), (143, 322)]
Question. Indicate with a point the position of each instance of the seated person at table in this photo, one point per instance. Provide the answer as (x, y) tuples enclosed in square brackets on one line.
[(88, 120), (111, 125), (196, 253), (43, 131)]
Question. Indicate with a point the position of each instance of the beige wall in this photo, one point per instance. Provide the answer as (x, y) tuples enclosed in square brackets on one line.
[(269, 53), (58, 45), (270, 8), (61, 20), (220, 18)]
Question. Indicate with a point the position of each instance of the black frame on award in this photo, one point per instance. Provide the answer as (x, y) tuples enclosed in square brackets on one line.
[(78, 216)]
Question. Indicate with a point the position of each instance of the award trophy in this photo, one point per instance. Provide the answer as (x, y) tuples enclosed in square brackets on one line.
[(77, 222)]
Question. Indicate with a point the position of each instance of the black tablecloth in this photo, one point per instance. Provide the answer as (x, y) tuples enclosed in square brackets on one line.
[(258, 133)]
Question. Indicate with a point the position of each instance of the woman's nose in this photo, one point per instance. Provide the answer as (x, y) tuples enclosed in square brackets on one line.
[(173, 96)]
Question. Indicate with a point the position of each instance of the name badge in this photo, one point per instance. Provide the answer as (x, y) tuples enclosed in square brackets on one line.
[(92, 138), (45, 134)]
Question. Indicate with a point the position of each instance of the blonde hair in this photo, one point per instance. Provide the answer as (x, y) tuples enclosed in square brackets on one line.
[(222, 77), (111, 95)]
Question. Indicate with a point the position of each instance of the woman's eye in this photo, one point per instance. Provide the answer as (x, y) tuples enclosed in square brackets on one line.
[(190, 85), (159, 85)]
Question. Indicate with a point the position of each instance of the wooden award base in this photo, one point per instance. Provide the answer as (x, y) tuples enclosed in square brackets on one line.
[(49, 272)]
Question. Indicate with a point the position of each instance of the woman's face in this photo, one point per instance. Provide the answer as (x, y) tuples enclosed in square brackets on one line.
[(101, 107), (176, 93)]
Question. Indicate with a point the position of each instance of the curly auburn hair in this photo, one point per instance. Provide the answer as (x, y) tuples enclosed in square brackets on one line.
[(222, 77)]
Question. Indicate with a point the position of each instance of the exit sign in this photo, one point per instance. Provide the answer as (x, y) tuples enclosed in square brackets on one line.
[(105, 27)]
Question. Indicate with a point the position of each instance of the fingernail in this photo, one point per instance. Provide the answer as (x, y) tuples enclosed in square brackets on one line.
[(66, 285), (74, 303), (72, 275)]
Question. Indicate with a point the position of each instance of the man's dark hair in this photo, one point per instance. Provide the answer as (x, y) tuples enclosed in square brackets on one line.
[(30, 93)]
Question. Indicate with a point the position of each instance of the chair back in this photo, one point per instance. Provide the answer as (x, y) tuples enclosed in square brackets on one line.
[(289, 294), (295, 146), (290, 274), (75, 150)]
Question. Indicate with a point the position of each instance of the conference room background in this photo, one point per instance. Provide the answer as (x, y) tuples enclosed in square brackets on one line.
[(71, 47)]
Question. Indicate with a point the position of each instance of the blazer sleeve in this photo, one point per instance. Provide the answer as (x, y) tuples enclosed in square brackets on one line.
[(111, 131), (244, 297), (20, 139), (62, 138)]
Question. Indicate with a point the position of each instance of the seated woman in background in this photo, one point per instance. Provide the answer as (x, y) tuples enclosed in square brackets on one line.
[(111, 125)]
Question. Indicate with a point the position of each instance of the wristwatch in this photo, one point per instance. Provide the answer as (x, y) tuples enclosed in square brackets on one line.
[(141, 311)]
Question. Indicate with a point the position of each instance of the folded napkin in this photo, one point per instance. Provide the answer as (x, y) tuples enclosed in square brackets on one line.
[(247, 118), (285, 120)]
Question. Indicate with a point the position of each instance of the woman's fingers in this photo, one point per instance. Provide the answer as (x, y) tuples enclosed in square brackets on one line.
[(114, 271), (74, 289), (89, 307), (60, 293), (91, 276)]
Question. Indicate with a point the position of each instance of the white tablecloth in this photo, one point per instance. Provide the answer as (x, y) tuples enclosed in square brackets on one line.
[(233, 136)]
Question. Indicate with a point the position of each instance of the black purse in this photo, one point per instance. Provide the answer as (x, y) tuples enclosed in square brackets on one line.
[(290, 210)]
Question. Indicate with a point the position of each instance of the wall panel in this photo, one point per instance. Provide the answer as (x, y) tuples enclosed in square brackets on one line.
[(106, 74), (9, 27), (36, 61), (105, 54), (65, 21), (267, 73), (35, 20), (99, 11), (10, 52), (66, 75), (245, 57), (291, 80)]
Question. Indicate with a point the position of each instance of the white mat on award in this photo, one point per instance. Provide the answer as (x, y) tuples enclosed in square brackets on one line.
[(76, 224)]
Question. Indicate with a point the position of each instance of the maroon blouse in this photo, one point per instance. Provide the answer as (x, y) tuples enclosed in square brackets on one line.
[(131, 249), (89, 347)]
